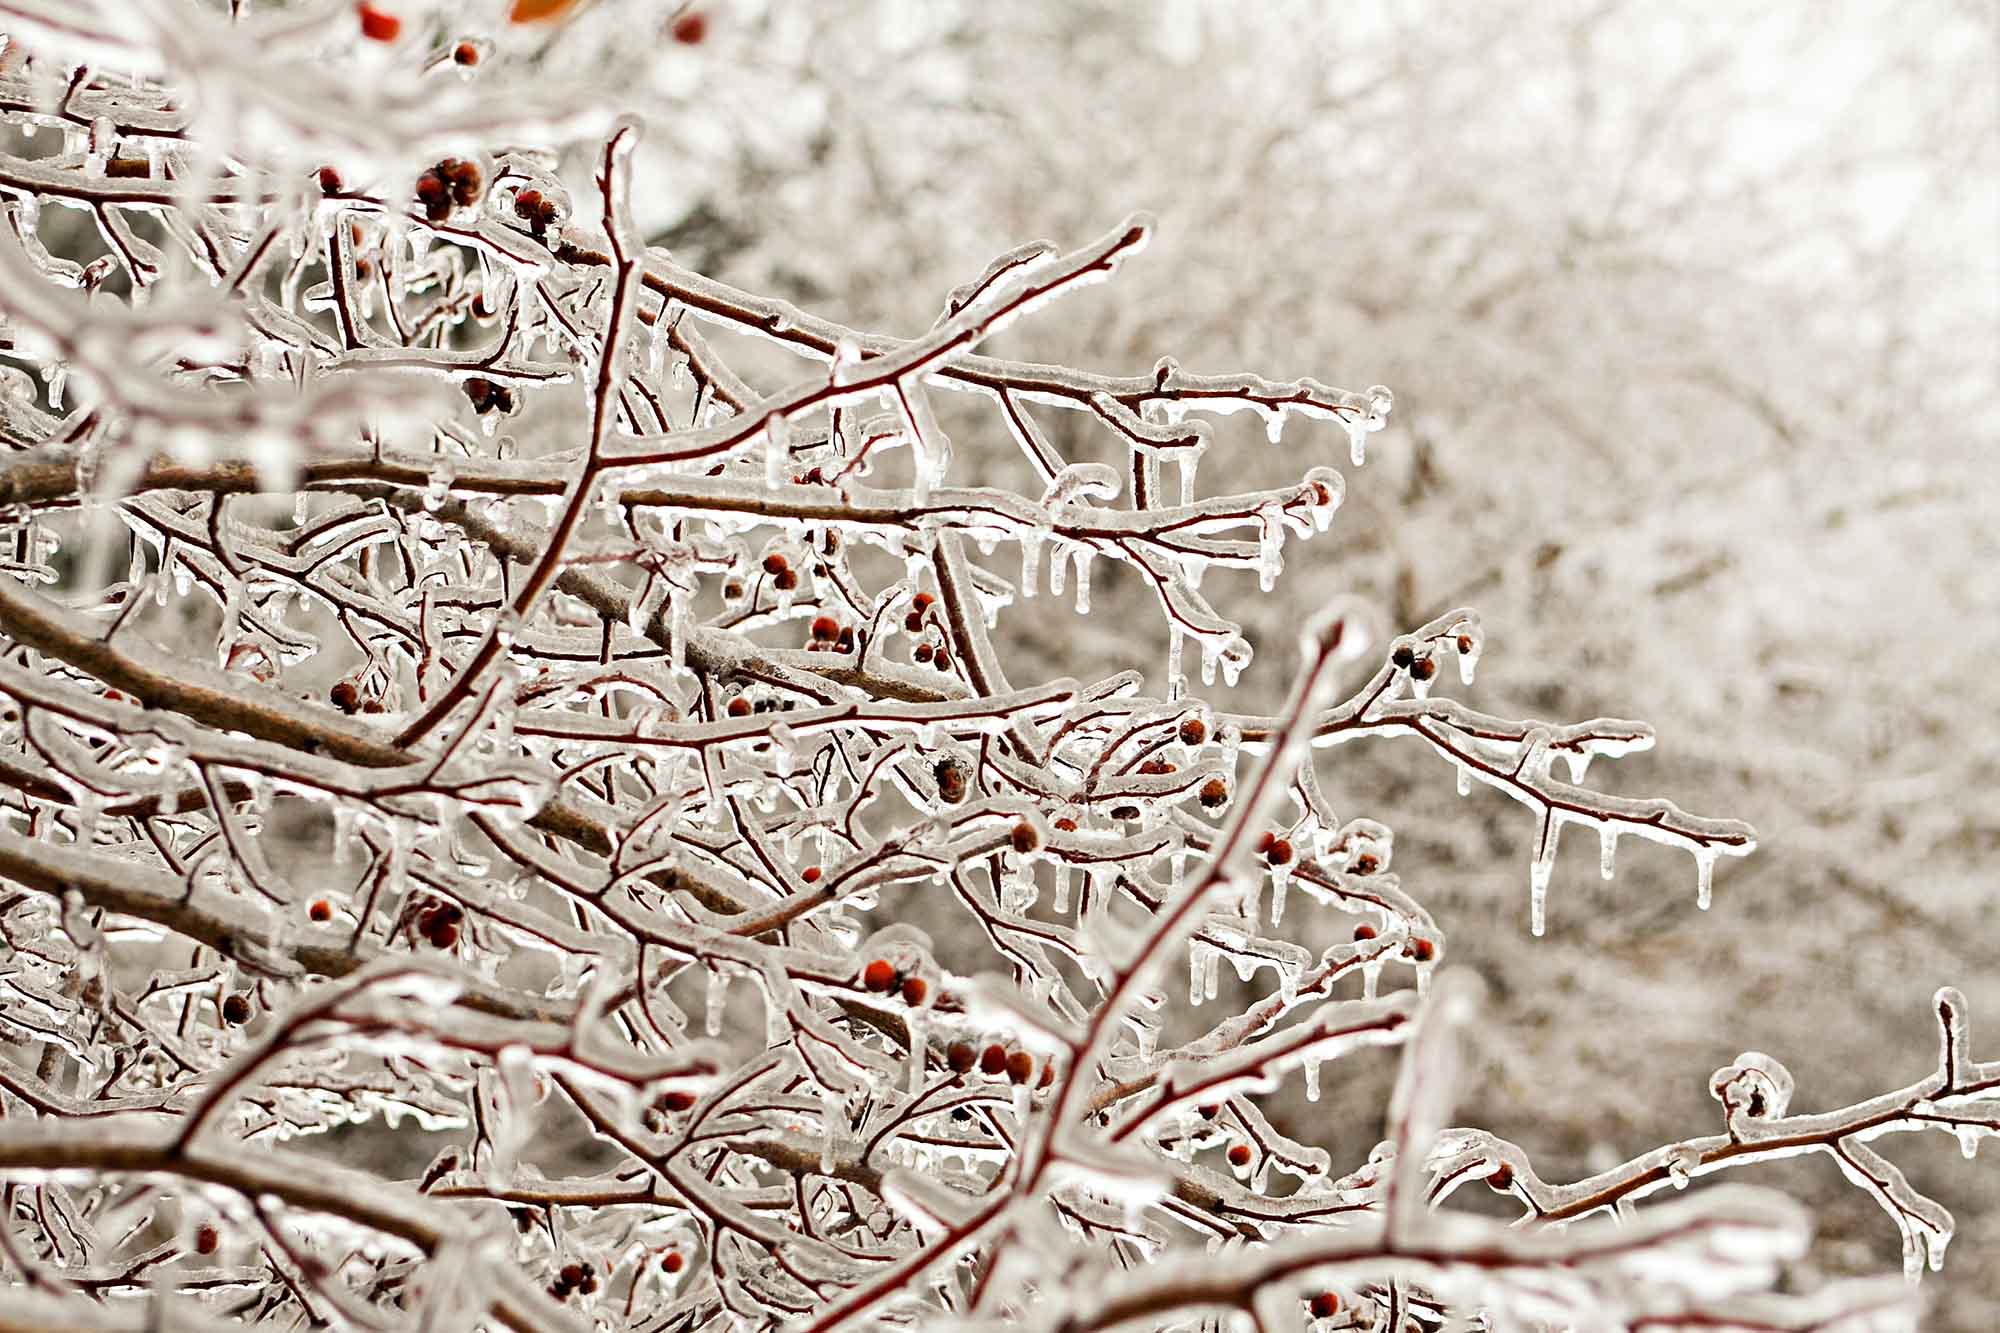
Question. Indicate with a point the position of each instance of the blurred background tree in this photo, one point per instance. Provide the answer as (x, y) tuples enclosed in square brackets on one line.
[(1692, 313)]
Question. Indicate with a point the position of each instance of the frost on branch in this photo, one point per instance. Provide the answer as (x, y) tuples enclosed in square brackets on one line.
[(461, 714)]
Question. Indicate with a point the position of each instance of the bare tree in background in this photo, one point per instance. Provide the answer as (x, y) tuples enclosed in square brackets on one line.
[(486, 707)]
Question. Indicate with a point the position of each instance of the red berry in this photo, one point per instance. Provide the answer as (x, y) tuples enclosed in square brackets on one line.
[(1066, 824), (1213, 793), (775, 563), (329, 180), (914, 991), (571, 1274), (690, 28), (431, 188), (672, 1261), (960, 1056), (321, 910), (914, 622), (811, 874), (1024, 839), (1325, 1305), (785, 580), (236, 1009), (1020, 1065), (923, 601), (1423, 668), (445, 936), (923, 652), (993, 1060), (1279, 852), (879, 976), (1365, 864), (378, 25), (1502, 1177), (206, 1239), (1193, 731), (1422, 950), (738, 707), (676, 1101), (465, 53), (344, 696), (825, 627), (1364, 931), (1264, 843), (1239, 1154), (1403, 656)]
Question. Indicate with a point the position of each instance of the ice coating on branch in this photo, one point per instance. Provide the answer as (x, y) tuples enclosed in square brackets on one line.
[(505, 679)]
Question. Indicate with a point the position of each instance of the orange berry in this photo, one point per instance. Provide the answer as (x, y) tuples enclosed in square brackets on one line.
[(1279, 852), (465, 53), (879, 976), (1024, 839), (1213, 793), (825, 627), (914, 991), (1193, 731), (1020, 1065), (776, 563)]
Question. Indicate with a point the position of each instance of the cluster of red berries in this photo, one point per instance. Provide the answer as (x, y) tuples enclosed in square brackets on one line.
[(236, 1008), (439, 924), (830, 636), (996, 1061), (1421, 949), (452, 183), (783, 577), (574, 1278), (487, 396), (1278, 851), (537, 210), (882, 977)]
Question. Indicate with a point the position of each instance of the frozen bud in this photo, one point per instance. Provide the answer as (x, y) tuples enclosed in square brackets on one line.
[(1756, 1086)]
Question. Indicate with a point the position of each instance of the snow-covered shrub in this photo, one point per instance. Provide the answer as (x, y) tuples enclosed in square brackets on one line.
[(466, 685)]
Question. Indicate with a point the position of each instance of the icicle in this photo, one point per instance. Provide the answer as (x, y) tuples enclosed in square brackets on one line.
[(1176, 680), (1704, 869), (1058, 572), (1541, 872), (777, 450), (1607, 851), (1274, 425), (1270, 547), (1464, 781), (1196, 969), (1059, 898), (1031, 561), (1311, 1071), (1083, 559), (1279, 883), (718, 993)]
